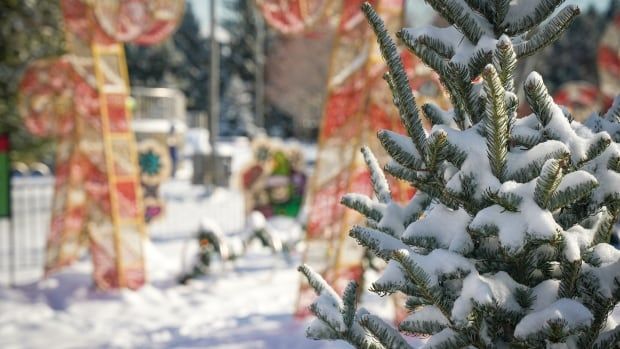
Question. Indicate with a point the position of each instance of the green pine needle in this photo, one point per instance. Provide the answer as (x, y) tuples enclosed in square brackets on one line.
[(550, 178), (411, 118), (548, 32), (542, 11), (496, 122)]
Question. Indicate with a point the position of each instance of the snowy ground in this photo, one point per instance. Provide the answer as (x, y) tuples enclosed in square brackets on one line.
[(247, 304)]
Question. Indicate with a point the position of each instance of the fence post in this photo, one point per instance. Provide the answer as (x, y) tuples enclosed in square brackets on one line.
[(12, 255), (5, 199)]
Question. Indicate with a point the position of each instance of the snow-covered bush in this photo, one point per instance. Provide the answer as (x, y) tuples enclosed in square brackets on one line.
[(506, 241)]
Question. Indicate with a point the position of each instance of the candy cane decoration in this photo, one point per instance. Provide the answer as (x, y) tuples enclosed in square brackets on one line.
[(358, 104), (609, 59), (80, 99), (292, 16)]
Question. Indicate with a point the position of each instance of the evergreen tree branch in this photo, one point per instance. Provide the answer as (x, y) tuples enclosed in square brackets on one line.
[(496, 122), (532, 169), (381, 244), (393, 144), (434, 114), (315, 280), (426, 54), (598, 146), (550, 178), (416, 207), (599, 305), (349, 300), (538, 98), (436, 149), (527, 141), (570, 195), (454, 155), (479, 60), (483, 7), (379, 182), (568, 281), (614, 163), (460, 86), (538, 15), (362, 204), (443, 49), (604, 227), (430, 186), (500, 10), (421, 327), (336, 319), (386, 334), (458, 15), (509, 201), (505, 61), (421, 280), (548, 33), (411, 118), (612, 338)]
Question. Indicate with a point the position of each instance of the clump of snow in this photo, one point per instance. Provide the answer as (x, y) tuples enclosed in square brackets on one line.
[(428, 313), (611, 324), (519, 160), (545, 293), (476, 164), (440, 262), (446, 226), (608, 276), (573, 313), (404, 142), (393, 218), (464, 49), (560, 128), (256, 221), (577, 238), (391, 275), (437, 339), (514, 228), (576, 178), (597, 124), (605, 253), (609, 180), (520, 9), (330, 308), (492, 289)]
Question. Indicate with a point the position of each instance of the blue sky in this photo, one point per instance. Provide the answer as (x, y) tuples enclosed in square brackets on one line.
[(201, 10)]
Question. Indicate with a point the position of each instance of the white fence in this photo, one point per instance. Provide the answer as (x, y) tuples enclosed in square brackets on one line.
[(22, 241)]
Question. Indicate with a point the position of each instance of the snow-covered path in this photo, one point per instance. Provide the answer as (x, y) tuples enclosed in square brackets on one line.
[(243, 305)]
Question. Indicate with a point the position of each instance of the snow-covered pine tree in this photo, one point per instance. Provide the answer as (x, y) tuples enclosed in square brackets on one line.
[(506, 241)]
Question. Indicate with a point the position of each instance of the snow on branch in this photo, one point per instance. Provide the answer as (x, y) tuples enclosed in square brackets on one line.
[(548, 32)]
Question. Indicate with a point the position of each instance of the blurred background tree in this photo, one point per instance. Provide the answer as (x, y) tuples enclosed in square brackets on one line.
[(30, 30), (181, 62), (243, 102), (574, 56)]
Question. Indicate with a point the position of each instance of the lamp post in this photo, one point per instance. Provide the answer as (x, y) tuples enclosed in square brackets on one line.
[(260, 68), (214, 93)]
